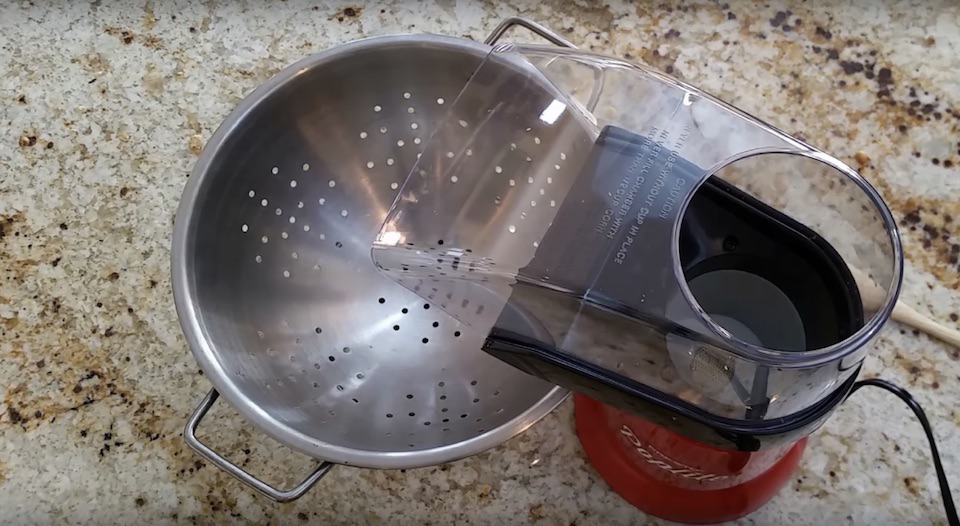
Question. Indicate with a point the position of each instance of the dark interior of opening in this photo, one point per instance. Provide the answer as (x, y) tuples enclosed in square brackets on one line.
[(762, 276)]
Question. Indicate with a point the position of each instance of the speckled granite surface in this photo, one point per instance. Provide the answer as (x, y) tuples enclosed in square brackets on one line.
[(106, 105)]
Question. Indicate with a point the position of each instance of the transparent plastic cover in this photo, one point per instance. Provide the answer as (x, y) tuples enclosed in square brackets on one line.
[(654, 231)]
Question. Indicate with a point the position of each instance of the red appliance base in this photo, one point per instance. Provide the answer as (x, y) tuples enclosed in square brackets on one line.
[(673, 477)]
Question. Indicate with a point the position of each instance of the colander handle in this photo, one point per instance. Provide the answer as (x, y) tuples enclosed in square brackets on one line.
[(190, 436), (555, 39), (539, 29)]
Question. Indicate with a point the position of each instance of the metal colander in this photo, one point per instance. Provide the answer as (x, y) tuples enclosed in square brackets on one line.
[(276, 291)]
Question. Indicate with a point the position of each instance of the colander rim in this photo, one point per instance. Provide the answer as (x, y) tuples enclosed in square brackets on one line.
[(204, 350)]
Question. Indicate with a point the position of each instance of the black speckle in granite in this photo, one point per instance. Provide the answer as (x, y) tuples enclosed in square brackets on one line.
[(885, 77), (851, 67), (779, 18)]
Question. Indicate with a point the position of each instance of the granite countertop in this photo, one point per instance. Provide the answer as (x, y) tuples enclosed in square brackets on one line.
[(106, 105)]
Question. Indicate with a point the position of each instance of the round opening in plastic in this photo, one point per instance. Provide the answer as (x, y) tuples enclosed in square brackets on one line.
[(789, 252)]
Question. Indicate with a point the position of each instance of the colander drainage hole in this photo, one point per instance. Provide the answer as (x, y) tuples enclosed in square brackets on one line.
[(425, 340), (411, 413), (476, 400), (426, 306), (317, 330), (389, 415), (410, 397), (445, 420), (396, 327), (426, 423), (463, 415), (338, 244), (456, 334), (381, 300), (443, 397), (275, 170), (473, 382), (316, 385), (331, 358), (436, 324), (404, 310), (346, 350), (360, 376), (441, 384), (444, 410), (339, 387), (305, 167)]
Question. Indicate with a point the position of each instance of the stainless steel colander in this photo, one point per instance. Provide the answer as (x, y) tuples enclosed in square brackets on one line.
[(277, 294)]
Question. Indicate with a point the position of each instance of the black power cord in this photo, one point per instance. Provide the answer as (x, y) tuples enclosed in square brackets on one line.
[(903, 394)]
